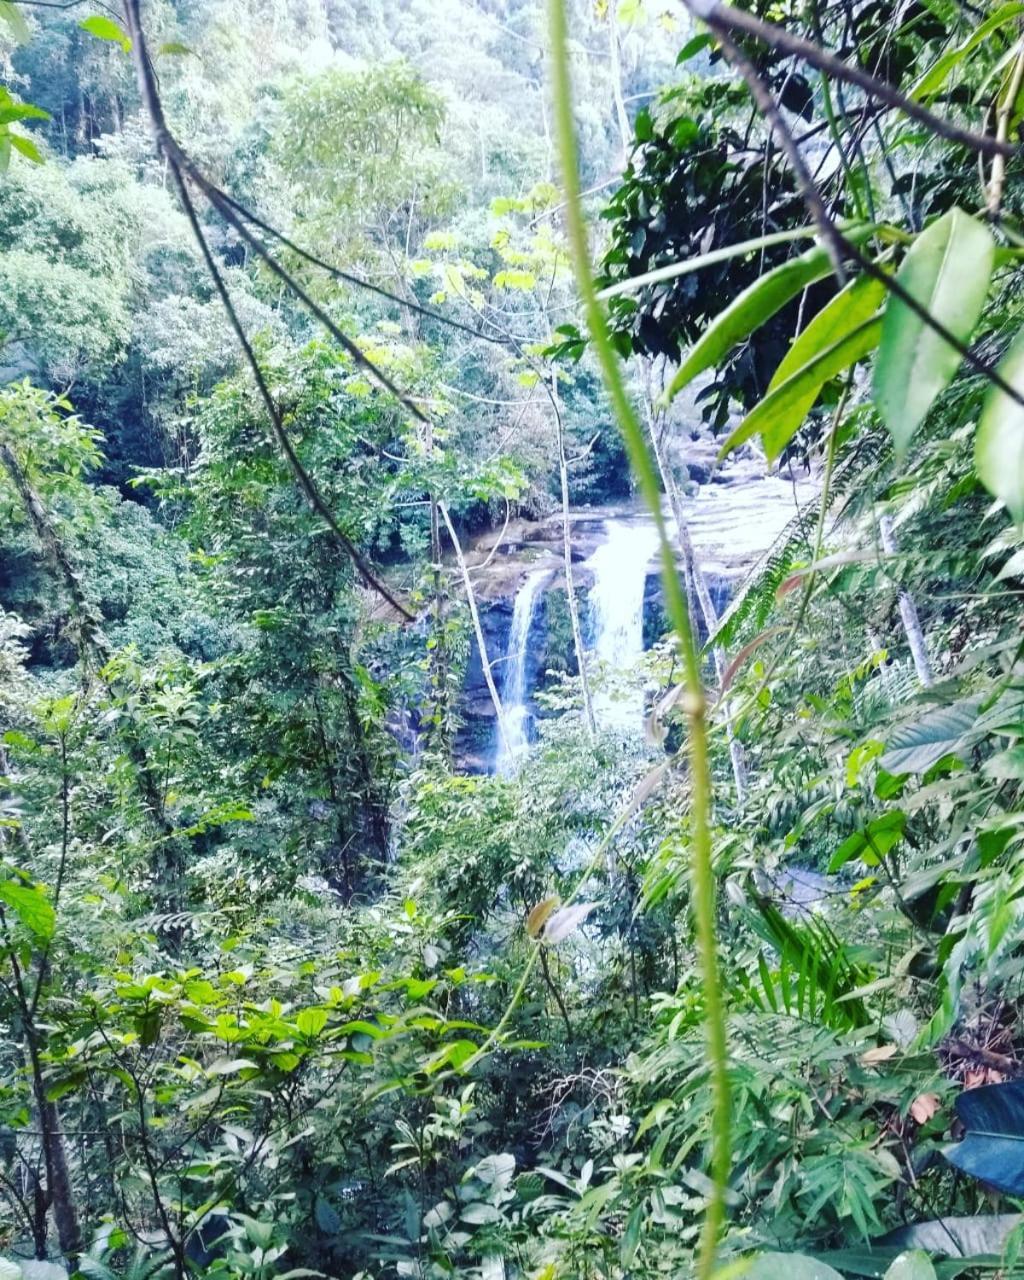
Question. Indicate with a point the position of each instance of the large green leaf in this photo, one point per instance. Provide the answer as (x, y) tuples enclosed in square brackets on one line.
[(779, 415), (947, 271), (982, 1234), (872, 842), (848, 310), (999, 444), (756, 304), (993, 1147), (30, 904), (915, 747)]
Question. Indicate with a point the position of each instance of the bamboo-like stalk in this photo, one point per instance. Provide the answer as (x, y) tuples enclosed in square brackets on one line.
[(570, 584), (737, 756), (693, 703)]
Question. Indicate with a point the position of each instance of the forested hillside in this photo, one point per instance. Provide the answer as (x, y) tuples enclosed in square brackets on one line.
[(399, 877)]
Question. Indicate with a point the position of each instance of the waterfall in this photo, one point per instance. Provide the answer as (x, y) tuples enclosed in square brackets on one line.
[(619, 566), (513, 690)]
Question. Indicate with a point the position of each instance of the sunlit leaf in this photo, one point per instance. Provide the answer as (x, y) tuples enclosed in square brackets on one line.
[(946, 271), (31, 905), (848, 310), (999, 443), (780, 414), (106, 29)]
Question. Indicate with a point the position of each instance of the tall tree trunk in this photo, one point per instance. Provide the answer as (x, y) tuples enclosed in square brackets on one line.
[(908, 612), (478, 630), (615, 60)]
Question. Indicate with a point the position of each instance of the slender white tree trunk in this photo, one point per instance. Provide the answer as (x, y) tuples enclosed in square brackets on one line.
[(478, 630), (908, 612)]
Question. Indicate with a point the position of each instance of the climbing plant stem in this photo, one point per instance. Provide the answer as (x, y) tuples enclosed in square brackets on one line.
[(646, 474)]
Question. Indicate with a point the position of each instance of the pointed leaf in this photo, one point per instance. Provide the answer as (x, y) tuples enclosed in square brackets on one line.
[(106, 29), (937, 74), (915, 747), (999, 443), (947, 271), (780, 414), (756, 304), (31, 905), (993, 1147), (27, 148), (848, 310)]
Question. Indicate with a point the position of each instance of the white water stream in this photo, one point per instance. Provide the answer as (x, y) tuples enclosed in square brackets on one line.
[(731, 526), (619, 566), (514, 691)]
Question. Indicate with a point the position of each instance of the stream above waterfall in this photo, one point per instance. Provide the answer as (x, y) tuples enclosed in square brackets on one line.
[(521, 590)]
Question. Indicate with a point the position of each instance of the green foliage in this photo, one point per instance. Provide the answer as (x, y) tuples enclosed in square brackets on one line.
[(284, 990)]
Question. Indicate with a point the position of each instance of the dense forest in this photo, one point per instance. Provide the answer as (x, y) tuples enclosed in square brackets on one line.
[(511, 672)]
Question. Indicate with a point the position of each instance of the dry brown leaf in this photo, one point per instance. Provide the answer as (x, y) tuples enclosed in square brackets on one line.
[(924, 1107), (880, 1053), (539, 913)]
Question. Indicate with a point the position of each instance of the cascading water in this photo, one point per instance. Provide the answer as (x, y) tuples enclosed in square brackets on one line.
[(619, 567), (514, 691)]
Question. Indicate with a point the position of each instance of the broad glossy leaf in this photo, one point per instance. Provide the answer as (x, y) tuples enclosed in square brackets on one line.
[(979, 1234), (993, 1147), (479, 1212), (915, 747), (31, 905), (999, 443), (231, 1066), (779, 415), (947, 271), (848, 310)]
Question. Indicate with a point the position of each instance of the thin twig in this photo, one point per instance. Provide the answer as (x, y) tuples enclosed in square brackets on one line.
[(766, 104)]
